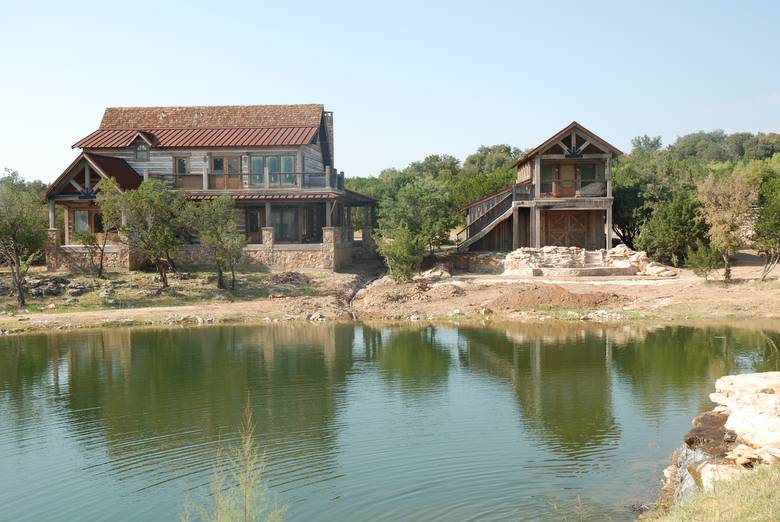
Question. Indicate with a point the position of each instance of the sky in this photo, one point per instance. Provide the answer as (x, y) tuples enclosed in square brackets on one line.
[(403, 79)]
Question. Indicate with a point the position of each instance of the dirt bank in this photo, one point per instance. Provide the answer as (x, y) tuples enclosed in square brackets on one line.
[(133, 299)]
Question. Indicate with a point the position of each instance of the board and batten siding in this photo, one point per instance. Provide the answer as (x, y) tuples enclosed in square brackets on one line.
[(312, 159)]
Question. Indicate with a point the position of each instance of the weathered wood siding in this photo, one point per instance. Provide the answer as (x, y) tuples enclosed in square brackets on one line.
[(312, 159), (524, 172)]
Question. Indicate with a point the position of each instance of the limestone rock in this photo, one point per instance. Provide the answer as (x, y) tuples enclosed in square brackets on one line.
[(754, 414)]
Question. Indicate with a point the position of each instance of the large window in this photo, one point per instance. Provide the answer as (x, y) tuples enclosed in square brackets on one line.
[(142, 152), (587, 174), (97, 222), (281, 169), (285, 223), (80, 221)]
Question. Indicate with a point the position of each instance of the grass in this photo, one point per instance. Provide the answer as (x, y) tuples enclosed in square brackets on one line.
[(751, 497), (238, 489), (141, 289)]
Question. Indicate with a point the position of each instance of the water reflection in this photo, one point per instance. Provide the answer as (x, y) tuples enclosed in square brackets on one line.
[(140, 411)]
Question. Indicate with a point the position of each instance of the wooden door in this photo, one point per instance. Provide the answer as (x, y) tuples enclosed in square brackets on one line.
[(567, 228), (226, 171), (566, 182)]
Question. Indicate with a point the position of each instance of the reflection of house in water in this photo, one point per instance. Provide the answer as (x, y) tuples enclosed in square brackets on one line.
[(172, 389), (563, 388)]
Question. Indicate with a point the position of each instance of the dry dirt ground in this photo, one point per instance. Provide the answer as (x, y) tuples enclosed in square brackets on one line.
[(324, 296)]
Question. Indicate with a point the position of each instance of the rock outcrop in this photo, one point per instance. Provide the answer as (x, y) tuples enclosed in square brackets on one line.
[(740, 433), (556, 260)]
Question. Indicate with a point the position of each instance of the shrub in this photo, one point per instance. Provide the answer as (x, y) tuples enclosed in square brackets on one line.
[(703, 259), (672, 228), (403, 251)]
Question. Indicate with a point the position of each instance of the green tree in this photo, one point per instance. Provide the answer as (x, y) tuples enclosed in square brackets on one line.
[(727, 207), (403, 251), (215, 221), (767, 231), (153, 217), (672, 228), (424, 207), (23, 224)]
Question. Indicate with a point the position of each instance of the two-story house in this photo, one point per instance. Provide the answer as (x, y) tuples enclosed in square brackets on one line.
[(562, 197), (275, 161)]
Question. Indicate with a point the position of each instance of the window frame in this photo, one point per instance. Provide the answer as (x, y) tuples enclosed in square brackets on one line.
[(86, 222), (176, 160), (147, 150)]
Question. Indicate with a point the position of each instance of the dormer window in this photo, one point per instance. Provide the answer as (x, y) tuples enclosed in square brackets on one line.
[(142, 152)]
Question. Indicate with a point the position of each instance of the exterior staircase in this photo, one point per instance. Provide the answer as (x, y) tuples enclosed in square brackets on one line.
[(478, 228)]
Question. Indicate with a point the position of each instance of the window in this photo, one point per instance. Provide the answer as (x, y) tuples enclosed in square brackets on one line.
[(97, 222), (587, 174), (547, 175), (288, 163), (142, 152), (233, 165), (219, 166), (285, 223), (258, 169), (255, 219), (80, 221), (272, 162), (180, 166)]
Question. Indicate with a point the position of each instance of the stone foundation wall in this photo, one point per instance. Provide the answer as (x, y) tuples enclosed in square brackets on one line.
[(335, 252)]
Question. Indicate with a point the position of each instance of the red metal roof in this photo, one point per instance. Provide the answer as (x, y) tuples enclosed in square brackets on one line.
[(199, 196), (200, 138), (116, 168)]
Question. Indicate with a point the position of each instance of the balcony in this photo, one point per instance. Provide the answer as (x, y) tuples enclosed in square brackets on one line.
[(326, 180), (572, 189)]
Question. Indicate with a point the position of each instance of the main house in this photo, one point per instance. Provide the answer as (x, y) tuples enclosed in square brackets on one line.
[(275, 161), (562, 197)]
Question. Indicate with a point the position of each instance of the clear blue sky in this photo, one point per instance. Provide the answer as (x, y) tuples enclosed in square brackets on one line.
[(404, 79)]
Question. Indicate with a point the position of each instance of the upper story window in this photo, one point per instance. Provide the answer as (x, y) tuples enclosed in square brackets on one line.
[(281, 169), (180, 166), (142, 152)]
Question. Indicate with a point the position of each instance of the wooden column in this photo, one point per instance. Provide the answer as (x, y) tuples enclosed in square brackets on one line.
[(87, 177), (52, 215), (266, 177), (66, 217), (608, 232), (206, 175), (328, 214), (267, 214), (515, 228), (609, 177), (537, 176), (536, 227), (327, 178)]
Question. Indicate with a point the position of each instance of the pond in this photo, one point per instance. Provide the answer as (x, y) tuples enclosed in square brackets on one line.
[(358, 423)]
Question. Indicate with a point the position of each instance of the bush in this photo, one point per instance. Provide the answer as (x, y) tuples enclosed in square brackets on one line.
[(703, 259), (668, 233), (403, 251)]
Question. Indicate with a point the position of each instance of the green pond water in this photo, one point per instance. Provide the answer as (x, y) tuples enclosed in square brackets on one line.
[(447, 423)]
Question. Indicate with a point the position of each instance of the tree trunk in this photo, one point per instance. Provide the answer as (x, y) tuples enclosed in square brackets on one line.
[(232, 276), (102, 255), (161, 270), (727, 267), (19, 284), (220, 277), (171, 264)]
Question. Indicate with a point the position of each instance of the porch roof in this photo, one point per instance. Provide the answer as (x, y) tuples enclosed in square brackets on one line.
[(106, 166), (348, 197)]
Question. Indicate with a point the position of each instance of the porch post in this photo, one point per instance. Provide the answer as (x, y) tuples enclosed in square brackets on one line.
[(609, 227), (609, 177), (52, 215), (515, 228), (537, 176), (205, 177), (537, 227), (327, 179), (328, 214), (267, 214), (266, 177)]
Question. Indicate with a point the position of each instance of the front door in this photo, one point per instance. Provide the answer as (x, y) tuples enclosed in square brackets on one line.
[(226, 172), (566, 183)]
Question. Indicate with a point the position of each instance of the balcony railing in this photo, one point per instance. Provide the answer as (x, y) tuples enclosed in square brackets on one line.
[(270, 180), (572, 189)]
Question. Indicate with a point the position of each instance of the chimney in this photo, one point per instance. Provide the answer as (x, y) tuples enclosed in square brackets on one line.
[(328, 119)]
